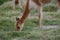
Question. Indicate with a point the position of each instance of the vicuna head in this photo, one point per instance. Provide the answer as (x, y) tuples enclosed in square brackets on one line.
[(17, 24)]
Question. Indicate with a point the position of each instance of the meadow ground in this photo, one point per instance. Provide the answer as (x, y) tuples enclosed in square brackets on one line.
[(30, 31)]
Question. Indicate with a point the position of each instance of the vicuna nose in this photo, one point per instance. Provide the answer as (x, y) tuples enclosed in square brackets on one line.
[(18, 28)]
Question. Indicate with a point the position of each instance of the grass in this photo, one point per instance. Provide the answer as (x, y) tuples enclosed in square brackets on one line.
[(8, 29), (53, 34)]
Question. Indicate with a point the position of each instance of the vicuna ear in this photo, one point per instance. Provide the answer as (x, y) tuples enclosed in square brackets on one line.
[(17, 19)]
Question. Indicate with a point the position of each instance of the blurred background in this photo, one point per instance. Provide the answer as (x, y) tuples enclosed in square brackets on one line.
[(51, 22)]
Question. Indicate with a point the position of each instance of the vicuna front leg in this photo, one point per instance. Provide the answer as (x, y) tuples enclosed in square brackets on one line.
[(15, 3), (58, 4), (40, 16)]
